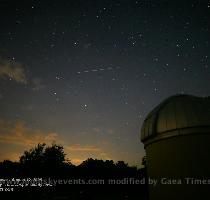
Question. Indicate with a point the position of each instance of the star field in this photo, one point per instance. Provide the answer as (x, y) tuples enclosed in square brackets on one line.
[(86, 73)]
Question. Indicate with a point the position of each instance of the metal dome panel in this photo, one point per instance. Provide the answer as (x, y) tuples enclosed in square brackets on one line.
[(177, 115)]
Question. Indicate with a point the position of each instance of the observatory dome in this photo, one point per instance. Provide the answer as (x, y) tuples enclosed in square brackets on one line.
[(178, 115)]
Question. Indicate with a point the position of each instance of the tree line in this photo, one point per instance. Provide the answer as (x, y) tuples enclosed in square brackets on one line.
[(50, 162)]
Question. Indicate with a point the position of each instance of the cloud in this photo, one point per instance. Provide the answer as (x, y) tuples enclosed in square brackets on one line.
[(19, 134), (28, 108), (110, 131), (37, 84), (105, 156), (16, 137), (97, 130), (78, 153), (13, 70), (77, 161), (10, 156), (16, 71), (85, 148)]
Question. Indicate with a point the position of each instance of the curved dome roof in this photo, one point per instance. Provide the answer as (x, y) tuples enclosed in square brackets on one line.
[(180, 114)]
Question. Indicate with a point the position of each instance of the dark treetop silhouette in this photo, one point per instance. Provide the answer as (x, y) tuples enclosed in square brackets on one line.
[(50, 162)]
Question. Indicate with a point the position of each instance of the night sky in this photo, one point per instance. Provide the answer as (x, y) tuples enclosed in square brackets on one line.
[(85, 73)]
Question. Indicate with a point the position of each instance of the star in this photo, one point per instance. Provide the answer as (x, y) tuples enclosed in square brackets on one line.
[(155, 89), (52, 45), (85, 106), (59, 78), (76, 48), (156, 59)]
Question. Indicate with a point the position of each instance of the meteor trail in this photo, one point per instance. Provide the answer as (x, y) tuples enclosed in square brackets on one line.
[(98, 70)]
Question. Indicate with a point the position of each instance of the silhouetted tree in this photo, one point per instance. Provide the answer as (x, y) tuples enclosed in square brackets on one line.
[(109, 164), (50, 161), (121, 165), (34, 156), (54, 155), (144, 161), (43, 160), (43, 154), (9, 168)]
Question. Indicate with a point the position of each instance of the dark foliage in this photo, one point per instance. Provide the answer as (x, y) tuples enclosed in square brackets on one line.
[(109, 180)]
